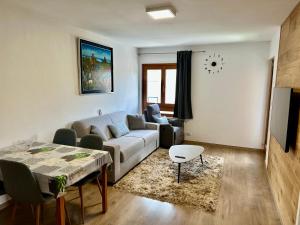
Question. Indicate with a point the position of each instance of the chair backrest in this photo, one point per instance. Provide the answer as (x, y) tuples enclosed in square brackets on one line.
[(65, 136), (146, 115), (153, 110), (91, 141), (20, 183)]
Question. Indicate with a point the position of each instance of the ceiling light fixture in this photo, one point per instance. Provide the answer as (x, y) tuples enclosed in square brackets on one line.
[(165, 12)]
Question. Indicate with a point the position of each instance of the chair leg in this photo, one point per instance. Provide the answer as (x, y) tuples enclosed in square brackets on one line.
[(99, 185), (13, 214), (32, 210), (42, 212), (81, 204), (67, 215), (37, 214)]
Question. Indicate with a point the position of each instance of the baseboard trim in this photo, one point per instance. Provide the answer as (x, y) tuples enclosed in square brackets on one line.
[(228, 146)]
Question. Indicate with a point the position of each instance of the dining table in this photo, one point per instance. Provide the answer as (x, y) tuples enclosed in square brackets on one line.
[(57, 167)]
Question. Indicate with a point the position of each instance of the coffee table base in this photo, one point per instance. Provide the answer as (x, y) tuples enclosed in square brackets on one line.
[(178, 178), (179, 166)]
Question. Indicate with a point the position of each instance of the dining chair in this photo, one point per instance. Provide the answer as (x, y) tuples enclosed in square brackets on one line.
[(22, 186), (65, 136), (90, 141)]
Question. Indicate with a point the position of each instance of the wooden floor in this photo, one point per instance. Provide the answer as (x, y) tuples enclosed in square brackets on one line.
[(245, 199)]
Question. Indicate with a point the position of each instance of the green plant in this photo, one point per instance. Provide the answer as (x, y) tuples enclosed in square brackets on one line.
[(60, 183)]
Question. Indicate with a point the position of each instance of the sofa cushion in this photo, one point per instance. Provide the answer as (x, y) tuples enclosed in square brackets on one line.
[(128, 146), (118, 117), (97, 131), (83, 127), (118, 130), (146, 135), (136, 122)]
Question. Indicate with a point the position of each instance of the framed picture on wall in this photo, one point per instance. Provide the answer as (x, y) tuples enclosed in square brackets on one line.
[(96, 68)]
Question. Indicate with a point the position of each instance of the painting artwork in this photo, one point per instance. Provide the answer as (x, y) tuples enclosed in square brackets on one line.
[(96, 68)]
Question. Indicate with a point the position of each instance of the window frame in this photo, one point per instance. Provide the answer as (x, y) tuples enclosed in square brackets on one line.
[(163, 67)]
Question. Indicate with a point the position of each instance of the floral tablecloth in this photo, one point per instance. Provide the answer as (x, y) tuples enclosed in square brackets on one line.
[(57, 166)]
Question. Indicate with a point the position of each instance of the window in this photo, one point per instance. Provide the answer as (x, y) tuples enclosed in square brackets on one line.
[(159, 84)]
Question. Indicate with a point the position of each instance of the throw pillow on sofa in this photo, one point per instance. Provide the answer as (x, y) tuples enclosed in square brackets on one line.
[(136, 122), (118, 130), (161, 120), (97, 131)]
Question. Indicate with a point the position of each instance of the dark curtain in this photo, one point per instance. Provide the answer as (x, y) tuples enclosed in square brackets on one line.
[(183, 102)]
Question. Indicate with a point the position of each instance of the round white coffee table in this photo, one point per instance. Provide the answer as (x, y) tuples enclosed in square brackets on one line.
[(184, 153)]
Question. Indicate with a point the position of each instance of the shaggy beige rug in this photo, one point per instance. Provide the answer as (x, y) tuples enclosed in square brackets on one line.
[(156, 178)]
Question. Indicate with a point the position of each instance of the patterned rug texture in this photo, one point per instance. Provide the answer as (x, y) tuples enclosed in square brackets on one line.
[(156, 178)]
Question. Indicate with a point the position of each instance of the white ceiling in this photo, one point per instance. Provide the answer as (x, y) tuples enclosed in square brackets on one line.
[(197, 21)]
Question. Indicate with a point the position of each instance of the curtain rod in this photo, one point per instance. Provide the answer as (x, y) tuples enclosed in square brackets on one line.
[(166, 53)]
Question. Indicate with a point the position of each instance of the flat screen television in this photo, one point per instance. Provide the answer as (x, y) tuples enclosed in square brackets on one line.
[(280, 117)]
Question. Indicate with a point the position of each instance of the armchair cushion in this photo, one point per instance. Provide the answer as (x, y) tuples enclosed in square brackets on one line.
[(160, 119)]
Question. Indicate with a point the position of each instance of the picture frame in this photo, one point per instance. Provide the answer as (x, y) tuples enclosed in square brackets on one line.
[(95, 68)]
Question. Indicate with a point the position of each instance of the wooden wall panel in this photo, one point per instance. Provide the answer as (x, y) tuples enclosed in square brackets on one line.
[(284, 168), (288, 71), (284, 176)]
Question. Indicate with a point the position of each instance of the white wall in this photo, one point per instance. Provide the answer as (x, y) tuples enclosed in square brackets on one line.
[(229, 108), (39, 77)]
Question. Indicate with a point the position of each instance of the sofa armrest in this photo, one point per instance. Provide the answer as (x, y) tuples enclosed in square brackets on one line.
[(152, 126), (114, 168)]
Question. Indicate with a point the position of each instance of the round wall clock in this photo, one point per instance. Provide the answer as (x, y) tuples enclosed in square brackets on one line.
[(214, 63)]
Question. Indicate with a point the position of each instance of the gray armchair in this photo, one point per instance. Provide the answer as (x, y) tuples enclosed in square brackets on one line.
[(171, 133)]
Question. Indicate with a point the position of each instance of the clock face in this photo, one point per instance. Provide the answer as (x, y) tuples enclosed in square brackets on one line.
[(214, 63)]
